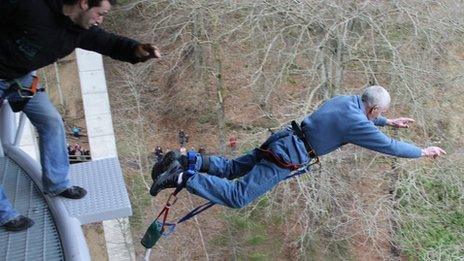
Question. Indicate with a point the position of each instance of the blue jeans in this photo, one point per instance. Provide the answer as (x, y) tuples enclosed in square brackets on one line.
[(52, 142), (235, 183), (6, 210)]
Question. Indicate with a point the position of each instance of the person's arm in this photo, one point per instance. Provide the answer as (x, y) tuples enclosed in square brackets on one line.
[(363, 132), (401, 122), (117, 47), (380, 121)]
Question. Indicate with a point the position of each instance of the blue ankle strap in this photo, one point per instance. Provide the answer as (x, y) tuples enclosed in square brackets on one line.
[(192, 160)]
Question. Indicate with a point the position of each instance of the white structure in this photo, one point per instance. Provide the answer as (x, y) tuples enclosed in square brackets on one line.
[(102, 142)]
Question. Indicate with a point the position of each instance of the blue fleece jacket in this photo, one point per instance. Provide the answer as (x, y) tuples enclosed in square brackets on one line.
[(342, 120)]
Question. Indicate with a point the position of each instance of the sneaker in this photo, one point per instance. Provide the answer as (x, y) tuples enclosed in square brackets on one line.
[(73, 192), (18, 224), (171, 178), (171, 157)]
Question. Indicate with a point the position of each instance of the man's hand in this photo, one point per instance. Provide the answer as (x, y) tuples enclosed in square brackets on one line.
[(432, 152), (400, 122), (147, 51)]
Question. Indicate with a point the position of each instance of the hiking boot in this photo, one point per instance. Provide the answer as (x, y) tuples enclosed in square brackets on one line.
[(171, 178), (18, 224), (182, 160), (167, 162), (73, 192)]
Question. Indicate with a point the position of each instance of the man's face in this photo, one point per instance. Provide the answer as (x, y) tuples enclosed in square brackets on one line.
[(92, 16), (375, 112)]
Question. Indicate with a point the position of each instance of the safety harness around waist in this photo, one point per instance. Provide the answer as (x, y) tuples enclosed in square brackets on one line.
[(272, 157), (28, 91), (24, 92)]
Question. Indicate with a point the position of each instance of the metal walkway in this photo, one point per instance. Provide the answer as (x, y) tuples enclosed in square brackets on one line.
[(57, 232), (106, 192), (41, 241)]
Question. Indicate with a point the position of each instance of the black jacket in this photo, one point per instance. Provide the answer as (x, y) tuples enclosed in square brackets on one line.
[(35, 33)]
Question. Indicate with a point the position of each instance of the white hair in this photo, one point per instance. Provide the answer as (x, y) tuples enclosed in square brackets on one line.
[(376, 95)]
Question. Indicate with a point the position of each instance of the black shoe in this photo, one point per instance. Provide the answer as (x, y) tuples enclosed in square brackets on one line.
[(169, 179), (167, 162), (18, 224), (73, 192)]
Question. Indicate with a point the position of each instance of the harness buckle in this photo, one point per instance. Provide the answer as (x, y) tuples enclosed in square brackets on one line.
[(299, 132), (174, 196), (27, 92)]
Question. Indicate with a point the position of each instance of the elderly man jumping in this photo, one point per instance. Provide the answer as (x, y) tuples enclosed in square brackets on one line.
[(340, 120)]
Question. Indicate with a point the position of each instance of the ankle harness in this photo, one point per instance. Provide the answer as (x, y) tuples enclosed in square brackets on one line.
[(163, 228)]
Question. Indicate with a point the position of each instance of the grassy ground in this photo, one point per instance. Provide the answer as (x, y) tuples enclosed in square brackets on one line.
[(431, 213)]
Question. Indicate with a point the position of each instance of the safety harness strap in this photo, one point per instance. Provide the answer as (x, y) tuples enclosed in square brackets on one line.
[(272, 157), (191, 157), (28, 91), (166, 209), (269, 155), (196, 211), (300, 133)]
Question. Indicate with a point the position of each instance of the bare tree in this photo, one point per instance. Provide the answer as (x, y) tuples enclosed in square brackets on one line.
[(278, 60)]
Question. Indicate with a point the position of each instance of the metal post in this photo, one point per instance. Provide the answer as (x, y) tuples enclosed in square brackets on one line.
[(19, 131), (58, 83), (2, 122), (2, 154), (7, 124)]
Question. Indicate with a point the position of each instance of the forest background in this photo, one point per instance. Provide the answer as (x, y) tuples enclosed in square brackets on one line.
[(238, 68)]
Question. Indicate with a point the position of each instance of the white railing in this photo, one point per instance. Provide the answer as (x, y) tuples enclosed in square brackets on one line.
[(69, 228), (20, 129), (2, 153)]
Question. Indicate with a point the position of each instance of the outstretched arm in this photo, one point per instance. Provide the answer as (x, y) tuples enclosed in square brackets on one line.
[(116, 46), (365, 134), (401, 122)]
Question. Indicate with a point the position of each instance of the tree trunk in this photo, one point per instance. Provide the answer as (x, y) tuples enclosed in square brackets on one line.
[(219, 88)]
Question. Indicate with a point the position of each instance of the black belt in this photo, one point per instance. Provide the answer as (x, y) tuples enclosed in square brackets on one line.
[(12, 82), (300, 134)]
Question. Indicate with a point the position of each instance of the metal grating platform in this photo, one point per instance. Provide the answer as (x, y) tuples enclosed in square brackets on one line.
[(41, 241), (106, 197)]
